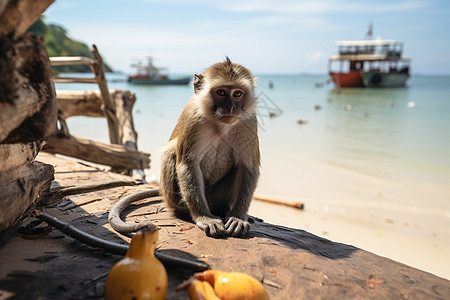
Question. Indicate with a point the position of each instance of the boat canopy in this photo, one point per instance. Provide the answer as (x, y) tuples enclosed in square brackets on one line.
[(369, 50), (377, 42)]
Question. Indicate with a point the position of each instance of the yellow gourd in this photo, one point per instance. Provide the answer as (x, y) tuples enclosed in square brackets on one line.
[(227, 286), (139, 275)]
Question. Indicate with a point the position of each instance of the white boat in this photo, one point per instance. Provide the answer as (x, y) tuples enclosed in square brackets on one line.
[(369, 63)]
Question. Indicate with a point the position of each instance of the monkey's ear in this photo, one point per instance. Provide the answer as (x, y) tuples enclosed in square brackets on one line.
[(198, 82)]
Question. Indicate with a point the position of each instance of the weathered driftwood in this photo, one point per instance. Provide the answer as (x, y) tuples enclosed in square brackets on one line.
[(89, 103), (14, 155), (117, 156), (96, 66), (27, 98), (110, 112), (116, 108), (28, 112), (20, 189), (16, 16), (124, 101), (57, 79), (70, 60), (79, 103)]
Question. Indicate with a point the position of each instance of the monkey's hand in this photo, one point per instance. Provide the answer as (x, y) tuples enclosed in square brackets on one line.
[(213, 227), (236, 227)]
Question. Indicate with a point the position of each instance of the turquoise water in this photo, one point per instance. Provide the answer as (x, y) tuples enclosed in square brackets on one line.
[(372, 131)]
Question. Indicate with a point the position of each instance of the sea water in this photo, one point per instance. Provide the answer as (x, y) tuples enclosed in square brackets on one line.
[(372, 166), (399, 133)]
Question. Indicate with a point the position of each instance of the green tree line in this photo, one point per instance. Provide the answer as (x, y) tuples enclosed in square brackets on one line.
[(58, 43)]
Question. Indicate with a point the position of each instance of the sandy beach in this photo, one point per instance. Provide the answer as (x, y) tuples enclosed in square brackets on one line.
[(361, 210)]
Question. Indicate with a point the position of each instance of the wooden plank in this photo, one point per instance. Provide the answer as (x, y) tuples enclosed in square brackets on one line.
[(70, 60), (20, 189), (13, 155), (89, 103), (16, 16), (28, 109), (58, 79), (79, 103), (117, 156)]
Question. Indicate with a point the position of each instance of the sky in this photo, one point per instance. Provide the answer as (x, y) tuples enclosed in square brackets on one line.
[(266, 36)]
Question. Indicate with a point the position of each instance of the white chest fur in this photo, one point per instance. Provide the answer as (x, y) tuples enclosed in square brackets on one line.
[(220, 149)]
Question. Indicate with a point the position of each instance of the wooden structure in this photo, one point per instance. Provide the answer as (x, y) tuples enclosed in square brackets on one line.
[(115, 106), (28, 112)]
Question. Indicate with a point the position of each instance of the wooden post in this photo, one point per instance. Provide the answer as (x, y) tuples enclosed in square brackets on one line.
[(109, 109), (124, 101)]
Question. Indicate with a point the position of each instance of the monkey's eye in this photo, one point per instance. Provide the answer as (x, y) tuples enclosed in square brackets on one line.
[(237, 94), (221, 92)]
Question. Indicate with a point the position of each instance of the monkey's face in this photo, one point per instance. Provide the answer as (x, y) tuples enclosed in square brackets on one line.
[(229, 103)]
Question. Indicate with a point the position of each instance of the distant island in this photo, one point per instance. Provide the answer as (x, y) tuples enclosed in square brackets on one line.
[(59, 44)]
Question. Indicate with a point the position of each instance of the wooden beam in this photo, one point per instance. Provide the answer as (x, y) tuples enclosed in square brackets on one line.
[(79, 103), (116, 156), (58, 79), (70, 60)]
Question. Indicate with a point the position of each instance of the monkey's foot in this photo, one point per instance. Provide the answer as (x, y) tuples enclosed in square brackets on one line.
[(236, 227), (213, 227)]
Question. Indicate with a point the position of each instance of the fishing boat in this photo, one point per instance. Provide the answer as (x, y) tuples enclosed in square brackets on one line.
[(369, 63), (149, 74)]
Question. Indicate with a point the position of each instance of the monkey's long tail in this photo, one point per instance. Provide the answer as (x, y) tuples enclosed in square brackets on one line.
[(114, 215)]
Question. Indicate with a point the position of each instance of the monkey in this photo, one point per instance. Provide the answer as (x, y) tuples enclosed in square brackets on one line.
[(210, 165)]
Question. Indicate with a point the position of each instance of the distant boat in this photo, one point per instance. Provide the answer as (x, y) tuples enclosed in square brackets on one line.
[(369, 63), (149, 74)]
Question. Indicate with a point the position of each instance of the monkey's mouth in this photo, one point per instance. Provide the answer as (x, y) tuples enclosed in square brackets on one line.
[(228, 119)]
